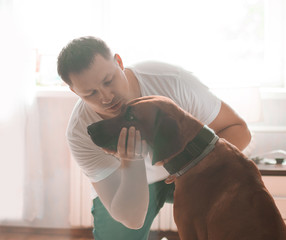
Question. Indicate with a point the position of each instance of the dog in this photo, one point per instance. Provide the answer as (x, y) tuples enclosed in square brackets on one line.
[(219, 193)]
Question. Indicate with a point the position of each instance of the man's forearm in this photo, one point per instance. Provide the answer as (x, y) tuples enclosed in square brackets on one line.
[(238, 135), (130, 202)]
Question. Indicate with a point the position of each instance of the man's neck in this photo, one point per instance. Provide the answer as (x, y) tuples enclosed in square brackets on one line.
[(135, 90)]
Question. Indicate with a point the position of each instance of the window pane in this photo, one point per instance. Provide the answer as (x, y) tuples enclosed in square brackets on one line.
[(222, 42)]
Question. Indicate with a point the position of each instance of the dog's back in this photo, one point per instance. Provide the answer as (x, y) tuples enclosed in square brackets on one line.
[(224, 197)]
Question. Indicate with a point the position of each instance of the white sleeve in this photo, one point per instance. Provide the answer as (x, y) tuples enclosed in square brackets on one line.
[(93, 161), (197, 99)]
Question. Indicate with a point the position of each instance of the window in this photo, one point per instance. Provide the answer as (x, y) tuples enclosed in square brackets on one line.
[(222, 42)]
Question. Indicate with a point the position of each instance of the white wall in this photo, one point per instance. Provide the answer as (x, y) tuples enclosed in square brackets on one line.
[(270, 132), (54, 110)]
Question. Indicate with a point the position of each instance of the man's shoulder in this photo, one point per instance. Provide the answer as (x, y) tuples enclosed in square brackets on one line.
[(155, 67)]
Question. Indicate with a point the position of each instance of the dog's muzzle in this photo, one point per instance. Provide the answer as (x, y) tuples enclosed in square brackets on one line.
[(101, 138)]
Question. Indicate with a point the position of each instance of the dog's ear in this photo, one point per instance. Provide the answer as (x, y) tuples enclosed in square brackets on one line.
[(166, 140)]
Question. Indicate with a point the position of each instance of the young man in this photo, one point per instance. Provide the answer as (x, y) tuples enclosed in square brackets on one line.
[(129, 190)]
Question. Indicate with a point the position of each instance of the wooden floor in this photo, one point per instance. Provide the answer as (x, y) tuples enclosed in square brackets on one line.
[(26, 233), (23, 233), (12, 236)]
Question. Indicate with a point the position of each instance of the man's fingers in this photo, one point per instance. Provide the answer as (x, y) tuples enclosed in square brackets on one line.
[(138, 144), (121, 148), (130, 146), (131, 142), (144, 148)]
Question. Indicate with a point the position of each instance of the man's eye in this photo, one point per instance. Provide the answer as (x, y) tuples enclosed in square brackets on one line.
[(107, 82), (93, 92)]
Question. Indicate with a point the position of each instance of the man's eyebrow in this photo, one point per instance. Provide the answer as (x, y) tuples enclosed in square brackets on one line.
[(86, 91), (108, 75), (105, 77)]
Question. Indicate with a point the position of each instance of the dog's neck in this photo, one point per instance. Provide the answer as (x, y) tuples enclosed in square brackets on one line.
[(201, 145), (190, 127)]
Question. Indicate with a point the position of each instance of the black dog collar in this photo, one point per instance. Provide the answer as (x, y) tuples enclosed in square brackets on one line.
[(194, 152)]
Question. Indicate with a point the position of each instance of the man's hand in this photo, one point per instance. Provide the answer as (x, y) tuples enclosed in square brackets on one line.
[(125, 192), (130, 146)]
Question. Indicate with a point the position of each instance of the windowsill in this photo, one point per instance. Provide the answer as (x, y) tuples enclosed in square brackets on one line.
[(64, 91), (273, 93), (266, 93), (267, 129), (54, 91)]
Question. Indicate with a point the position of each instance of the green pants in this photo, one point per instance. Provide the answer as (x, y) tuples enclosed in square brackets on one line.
[(106, 228)]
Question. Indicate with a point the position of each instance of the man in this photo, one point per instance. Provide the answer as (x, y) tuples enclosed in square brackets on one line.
[(130, 191)]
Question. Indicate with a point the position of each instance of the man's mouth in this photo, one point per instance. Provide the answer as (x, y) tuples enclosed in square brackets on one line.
[(115, 106)]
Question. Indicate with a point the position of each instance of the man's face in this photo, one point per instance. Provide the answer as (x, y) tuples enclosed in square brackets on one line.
[(103, 86)]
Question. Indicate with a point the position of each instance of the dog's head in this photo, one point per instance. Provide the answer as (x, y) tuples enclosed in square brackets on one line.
[(158, 119)]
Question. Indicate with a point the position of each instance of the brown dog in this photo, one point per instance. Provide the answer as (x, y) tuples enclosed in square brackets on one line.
[(219, 193)]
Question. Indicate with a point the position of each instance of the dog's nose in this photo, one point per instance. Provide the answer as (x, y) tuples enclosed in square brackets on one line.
[(89, 130), (94, 131), (103, 135)]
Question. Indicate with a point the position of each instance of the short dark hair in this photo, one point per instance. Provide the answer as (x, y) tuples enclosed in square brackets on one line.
[(78, 55)]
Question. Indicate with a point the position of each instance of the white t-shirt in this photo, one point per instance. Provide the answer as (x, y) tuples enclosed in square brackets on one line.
[(154, 78)]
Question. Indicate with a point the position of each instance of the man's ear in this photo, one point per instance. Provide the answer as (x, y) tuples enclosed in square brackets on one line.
[(167, 141), (118, 59)]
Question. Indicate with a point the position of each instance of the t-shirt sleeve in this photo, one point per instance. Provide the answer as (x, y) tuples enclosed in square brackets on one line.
[(92, 160), (197, 99)]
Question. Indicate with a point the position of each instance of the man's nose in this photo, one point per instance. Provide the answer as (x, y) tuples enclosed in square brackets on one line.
[(106, 96)]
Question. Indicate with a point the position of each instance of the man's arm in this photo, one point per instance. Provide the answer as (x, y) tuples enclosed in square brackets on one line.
[(125, 193), (230, 126)]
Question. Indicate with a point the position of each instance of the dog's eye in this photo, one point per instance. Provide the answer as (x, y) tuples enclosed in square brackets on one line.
[(131, 118), (129, 115)]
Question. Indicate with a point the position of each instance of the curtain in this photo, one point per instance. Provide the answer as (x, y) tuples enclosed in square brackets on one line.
[(34, 156), (16, 98)]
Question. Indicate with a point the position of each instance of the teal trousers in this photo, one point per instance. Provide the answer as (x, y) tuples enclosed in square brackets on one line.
[(106, 228)]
